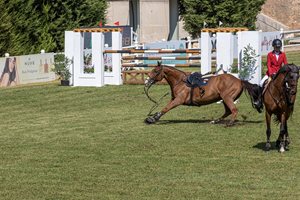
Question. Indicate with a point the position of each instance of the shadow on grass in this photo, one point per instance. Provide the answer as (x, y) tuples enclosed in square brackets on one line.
[(192, 121), (262, 146), (207, 121)]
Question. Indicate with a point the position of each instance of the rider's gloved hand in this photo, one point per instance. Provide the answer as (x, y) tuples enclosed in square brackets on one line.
[(273, 76)]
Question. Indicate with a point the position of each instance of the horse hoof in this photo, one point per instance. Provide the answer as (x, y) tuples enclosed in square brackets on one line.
[(268, 146), (229, 124), (281, 150), (287, 148), (259, 110), (149, 120), (287, 143), (213, 122)]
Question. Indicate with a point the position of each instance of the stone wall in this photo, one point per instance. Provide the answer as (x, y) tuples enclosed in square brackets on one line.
[(266, 23), (286, 12)]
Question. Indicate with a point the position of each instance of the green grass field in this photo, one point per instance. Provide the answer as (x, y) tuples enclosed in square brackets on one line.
[(91, 143)]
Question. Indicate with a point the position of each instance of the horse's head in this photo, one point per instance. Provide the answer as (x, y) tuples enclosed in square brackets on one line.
[(291, 79), (155, 75)]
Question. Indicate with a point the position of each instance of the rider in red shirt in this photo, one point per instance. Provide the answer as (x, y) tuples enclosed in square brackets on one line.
[(275, 60)]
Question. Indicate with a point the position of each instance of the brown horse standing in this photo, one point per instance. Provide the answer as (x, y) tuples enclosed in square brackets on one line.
[(224, 86), (279, 98)]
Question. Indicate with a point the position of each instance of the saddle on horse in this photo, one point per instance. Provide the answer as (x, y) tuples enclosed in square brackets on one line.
[(195, 80)]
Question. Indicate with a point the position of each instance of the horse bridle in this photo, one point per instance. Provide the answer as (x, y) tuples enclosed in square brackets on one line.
[(287, 86), (146, 90), (287, 89), (152, 80)]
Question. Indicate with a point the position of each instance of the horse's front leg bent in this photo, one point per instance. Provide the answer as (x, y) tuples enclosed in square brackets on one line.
[(172, 104)]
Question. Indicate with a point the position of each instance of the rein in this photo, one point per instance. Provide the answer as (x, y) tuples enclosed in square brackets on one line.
[(276, 100), (285, 93), (156, 103)]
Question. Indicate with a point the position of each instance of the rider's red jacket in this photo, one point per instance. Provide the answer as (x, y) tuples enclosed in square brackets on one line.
[(273, 64)]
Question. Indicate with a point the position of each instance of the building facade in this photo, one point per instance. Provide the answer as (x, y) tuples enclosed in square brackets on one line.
[(152, 20), (155, 20)]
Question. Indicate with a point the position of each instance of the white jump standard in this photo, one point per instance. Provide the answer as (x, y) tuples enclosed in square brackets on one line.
[(74, 51)]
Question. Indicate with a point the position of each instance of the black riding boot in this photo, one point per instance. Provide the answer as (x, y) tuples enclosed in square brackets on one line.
[(258, 103)]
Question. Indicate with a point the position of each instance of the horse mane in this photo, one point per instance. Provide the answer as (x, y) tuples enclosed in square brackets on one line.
[(284, 69), (175, 69), (169, 67)]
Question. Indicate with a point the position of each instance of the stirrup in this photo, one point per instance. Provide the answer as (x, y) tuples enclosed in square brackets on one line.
[(202, 91)]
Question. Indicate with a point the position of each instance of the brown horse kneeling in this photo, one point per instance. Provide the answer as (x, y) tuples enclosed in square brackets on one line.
[(224, 87)]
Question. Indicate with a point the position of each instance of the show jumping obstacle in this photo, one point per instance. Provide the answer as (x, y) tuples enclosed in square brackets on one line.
[(225, 48), (224, 53), (137, 76), (74, 50), (130, 61)]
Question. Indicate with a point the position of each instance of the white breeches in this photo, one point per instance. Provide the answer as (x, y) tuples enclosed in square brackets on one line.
[(263, 80)]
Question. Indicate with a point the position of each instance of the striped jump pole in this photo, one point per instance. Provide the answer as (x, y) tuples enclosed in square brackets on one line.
[(224, 30), (97, 30), (132, 51), (160, 58), (154, 65)]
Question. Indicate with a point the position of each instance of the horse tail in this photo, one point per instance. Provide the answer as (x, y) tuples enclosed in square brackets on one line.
[(255, 93)]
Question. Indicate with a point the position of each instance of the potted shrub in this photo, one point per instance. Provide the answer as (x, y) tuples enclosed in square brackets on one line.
[(62, 70)]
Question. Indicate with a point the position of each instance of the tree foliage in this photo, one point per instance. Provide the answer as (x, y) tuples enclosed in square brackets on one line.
[(232, 13), (32, 25)]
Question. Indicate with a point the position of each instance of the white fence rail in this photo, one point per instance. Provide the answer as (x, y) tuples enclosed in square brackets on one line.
[(291, 38)]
